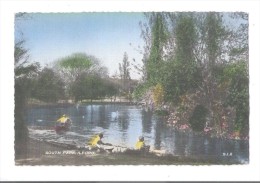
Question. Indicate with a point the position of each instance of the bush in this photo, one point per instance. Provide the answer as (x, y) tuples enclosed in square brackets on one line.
[(158, 95)]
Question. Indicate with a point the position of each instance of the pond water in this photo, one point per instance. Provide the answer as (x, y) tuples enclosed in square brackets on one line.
[(122, 125)]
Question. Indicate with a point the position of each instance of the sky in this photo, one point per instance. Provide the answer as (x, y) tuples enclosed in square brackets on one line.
[(51, 36)]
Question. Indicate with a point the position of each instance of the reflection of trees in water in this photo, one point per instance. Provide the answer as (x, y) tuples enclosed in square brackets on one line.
[(181, 142), (218, 146), (206, 145), (171, 141), (123, 124), (199, 147), (158, 132), (95, 115), (146, 121), (123, 120), (102, 122), (189, 144), (90, 114)]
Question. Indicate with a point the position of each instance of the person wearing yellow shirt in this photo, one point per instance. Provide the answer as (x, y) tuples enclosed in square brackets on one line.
[(140, 145), (96, 143), (96, 140)]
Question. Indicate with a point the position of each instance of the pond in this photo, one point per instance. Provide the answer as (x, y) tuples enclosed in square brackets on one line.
[(122, 124)]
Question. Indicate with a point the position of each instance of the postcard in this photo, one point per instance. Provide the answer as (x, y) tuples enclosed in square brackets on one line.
[(118, 89)]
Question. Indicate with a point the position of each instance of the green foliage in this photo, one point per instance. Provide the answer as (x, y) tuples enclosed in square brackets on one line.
[(140, 90), (215, 33), (237, 75), (185, 39), (162, 112), (198, 54), (181, 74), (159, 34), (158, 95), (83, 87), (110, 89), (76, 61), (91, 86), (23, 69), (198, 118), (75, 66), (180, 79), (48, 87)]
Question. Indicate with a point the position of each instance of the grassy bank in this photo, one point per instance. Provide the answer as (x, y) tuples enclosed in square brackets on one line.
[(42, 153)]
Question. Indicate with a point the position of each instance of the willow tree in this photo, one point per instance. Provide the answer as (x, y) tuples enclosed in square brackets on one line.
[(159, 34), (75, 65), (154, 32)]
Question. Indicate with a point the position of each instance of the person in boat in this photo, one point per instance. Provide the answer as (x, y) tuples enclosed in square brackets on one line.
[(140, 145), (96, 141), (64, 121)]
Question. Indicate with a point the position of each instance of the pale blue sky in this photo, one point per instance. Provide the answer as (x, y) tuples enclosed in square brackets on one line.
[(50, 36)]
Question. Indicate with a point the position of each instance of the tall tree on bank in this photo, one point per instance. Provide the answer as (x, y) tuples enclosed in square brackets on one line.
[(124, 71), (24, 72), (159, 33), (215, 36), (181, 73)]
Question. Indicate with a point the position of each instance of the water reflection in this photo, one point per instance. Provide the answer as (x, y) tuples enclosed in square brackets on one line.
[(146, 121), (123, 124), (158, 132), (123, 120)]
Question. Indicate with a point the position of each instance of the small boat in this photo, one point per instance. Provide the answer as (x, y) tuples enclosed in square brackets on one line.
[(63, 124), (62, 127)]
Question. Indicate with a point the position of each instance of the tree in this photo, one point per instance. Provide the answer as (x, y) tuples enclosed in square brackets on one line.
[(74, 66), (159, 34), (236, 74), (124, 70), (24, 72), (238, 42), (110, 89), (180, 72), (185, 37), (220, 44), (49, 86), (92, 86), (214, 50)]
